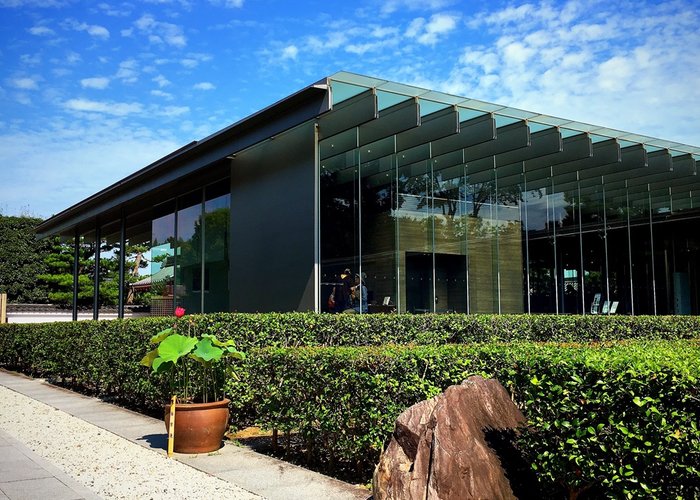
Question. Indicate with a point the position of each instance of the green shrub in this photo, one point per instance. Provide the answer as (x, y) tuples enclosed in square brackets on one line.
[(618, 420), (594, 403)]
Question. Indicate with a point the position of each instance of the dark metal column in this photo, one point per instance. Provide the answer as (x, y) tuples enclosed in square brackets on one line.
[(96, 281), (76, 257), (122, 263)]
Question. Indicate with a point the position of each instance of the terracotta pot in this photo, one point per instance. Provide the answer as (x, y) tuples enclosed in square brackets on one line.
[(199, 427)]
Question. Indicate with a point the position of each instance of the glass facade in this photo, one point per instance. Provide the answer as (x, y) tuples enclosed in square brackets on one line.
[(485, 210), (174, 254), (396, 198)]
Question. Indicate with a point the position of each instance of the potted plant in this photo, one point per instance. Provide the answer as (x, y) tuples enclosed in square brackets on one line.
[(191, 360)]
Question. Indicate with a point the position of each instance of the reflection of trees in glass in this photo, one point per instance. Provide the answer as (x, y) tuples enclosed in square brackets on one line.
[(216, 241), (446, 197), (59, 275)]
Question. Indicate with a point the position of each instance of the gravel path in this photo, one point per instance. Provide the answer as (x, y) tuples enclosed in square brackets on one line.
[(105, 463)]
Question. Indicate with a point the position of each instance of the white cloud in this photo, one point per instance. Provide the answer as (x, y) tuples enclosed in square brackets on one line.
[(99, 82), (427, 32), (91, 29), (611, 69), (128, 71), (391, 6), (32, 3), (171, 111), (290, 52), (30, 59), (24, 83), (161, 81), (110, 10), (191, 61), (109, 108), (517, 54), (204, 86), (160, 32), (160, 93), (73, 58), (237, 4), (51, 183), (415, 27), (41, 31)]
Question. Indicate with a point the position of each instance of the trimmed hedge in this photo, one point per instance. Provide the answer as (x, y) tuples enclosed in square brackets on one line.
[(619, 420), (593, 408), (104, 355)]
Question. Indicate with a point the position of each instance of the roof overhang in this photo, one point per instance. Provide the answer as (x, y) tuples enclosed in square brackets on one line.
[(194, 157)]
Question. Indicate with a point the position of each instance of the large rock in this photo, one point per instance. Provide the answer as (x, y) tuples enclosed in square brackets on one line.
[(439, 448)]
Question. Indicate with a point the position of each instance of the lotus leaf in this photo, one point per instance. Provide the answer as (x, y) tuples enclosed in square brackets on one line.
[(159, 337), (206, 351), (173, 348), (148, 359)]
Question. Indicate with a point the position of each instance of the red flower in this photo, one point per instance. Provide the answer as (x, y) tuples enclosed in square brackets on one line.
[(179, 312)]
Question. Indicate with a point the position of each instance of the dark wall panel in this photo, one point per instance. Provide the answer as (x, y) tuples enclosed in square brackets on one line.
[(272, 225)]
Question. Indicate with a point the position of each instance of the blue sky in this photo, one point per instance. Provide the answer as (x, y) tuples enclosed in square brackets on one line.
[(92, 91)]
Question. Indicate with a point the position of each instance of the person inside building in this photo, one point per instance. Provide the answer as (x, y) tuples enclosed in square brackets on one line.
[(342, 293), (359, 294)]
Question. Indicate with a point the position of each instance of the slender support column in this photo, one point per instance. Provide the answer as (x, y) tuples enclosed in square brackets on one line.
[(317, 223), (580, 246), (629, 250), (76, 257), (122, 264), (96, 281), (651, 237), (523, 217)]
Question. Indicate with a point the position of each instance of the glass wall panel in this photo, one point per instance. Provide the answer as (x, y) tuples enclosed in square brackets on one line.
[(482, 228), (618, 251), (510, 247), (110, 255), (678, 245), (163, 260), (564, 203), (450, 222), (378, 256), (216, 247), (86, 274), (340, 245), (539, 220), (593, 247), (138, 288), (643, 272), (188, 259), (414, 228)]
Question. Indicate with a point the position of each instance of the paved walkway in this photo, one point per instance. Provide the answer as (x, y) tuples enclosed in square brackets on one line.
[(25, 475)]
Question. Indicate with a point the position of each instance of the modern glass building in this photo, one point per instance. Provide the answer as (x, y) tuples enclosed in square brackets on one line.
[(439, 203)]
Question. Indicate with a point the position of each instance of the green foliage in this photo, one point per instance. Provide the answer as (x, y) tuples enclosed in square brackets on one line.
[(615, 420), (22, 259), (176, 354), (613, 405)]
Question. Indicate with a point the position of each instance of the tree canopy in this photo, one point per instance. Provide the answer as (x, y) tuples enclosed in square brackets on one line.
[(23, 259)]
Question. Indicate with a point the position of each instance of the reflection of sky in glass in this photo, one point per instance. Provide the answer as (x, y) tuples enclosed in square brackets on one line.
[(186, 220), (541, 208), (162, 229)]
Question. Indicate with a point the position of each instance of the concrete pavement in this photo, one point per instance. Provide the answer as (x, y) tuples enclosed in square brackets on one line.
[(25, 475)]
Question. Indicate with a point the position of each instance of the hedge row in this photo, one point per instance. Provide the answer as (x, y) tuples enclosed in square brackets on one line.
[(619, 420), (103, 355), (308, 329)]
